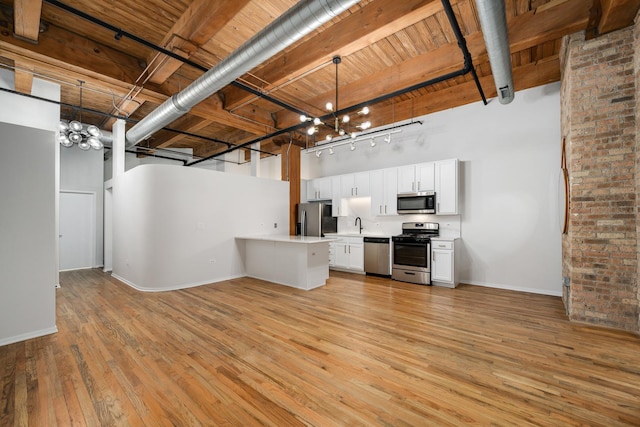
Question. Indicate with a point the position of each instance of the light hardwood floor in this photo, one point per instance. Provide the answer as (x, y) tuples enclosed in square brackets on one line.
[(358, 351)]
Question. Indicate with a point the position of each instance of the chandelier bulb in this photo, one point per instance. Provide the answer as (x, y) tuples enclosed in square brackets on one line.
[(95, 143), (311, 130), (93, 131), (353, 135), (65, 141), (84, 145), (75, 126), (329, 106), (365, 111), (317, 121), (346, 118), (328, 137), (303, 118)]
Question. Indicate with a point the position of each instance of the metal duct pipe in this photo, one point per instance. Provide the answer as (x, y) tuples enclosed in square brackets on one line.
[(493, 20), (294, 24)]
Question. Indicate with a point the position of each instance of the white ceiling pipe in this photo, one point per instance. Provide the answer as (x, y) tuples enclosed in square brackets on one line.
[(301, 19), (493, 20)]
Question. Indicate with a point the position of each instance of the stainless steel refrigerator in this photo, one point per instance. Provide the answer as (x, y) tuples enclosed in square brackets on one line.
[(314, 219)]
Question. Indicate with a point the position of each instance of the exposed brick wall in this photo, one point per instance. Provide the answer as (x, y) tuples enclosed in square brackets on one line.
[(636, 67), (600, 251)]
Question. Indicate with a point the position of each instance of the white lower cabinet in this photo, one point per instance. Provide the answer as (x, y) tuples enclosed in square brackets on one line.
[(443, 262), (348, 254)]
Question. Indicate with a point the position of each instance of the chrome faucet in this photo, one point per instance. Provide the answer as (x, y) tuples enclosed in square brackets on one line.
[(359, 219)]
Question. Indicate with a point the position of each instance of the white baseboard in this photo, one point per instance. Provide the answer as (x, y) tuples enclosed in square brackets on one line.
[(514, 288), (175, 287), (28, 336)]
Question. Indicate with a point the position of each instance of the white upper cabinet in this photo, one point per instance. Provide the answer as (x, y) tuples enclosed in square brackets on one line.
[(338, 207), (354, 185), (319, 189), (446, 187), (414, 178), (384, 185)]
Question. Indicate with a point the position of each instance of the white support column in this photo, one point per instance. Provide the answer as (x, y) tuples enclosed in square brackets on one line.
[(255, 160), (117, 149)]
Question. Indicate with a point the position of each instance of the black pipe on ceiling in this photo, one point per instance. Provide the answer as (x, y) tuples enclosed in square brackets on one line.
[(466, 69), (127, 119), (119, 33)]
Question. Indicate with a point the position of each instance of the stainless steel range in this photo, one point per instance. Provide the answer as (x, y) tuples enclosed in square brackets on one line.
[(412, 252)]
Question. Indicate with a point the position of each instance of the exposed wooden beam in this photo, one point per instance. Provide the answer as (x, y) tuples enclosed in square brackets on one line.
[(617, 14), (525, 31), (525, 77), (199, 23), (23, 77), (189, 123), (67, 52), (26, 19), (372, 23), (126, 108)]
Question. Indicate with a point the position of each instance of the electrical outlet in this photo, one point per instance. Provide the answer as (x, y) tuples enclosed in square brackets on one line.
[(212, 261), (275, 225)]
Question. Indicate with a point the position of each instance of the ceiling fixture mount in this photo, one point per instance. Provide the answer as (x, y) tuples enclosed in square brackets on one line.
[(339, 123), (75, 132)]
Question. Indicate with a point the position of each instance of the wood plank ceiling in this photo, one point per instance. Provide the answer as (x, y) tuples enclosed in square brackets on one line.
[(385, 45)]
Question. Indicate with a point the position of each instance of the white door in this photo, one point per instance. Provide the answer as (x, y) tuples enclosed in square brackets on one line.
[(77, 230)]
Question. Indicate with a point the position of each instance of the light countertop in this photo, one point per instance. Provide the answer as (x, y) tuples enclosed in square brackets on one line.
[(338, 235), (290, 239)]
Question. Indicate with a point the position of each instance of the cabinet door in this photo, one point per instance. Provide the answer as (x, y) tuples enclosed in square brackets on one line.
[(406, 179), (446, 173), (425, 177), (356, 254), (332, 254), (347, 186), (377, 187), (442, 265), (312, 190), (324, 188), (361, 184), (338, 208), (342, 254), (390, 191)]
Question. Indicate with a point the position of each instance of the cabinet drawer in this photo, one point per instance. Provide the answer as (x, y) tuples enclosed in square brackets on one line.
[(438, 244)]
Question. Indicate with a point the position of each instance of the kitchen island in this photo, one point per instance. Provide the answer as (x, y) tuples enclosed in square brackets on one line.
[(298, 261)]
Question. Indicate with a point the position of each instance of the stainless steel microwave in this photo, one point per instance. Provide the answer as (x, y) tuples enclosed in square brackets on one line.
[(423, 202)]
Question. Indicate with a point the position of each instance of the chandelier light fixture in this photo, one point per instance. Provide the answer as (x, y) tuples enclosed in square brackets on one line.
[(75, 132), (341, 126)]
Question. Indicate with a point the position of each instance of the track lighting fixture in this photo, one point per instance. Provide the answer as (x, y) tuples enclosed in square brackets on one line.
[(370, 137)]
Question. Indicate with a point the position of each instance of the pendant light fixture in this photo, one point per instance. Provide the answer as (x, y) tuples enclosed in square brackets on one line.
[(341, 126), (74, 132)]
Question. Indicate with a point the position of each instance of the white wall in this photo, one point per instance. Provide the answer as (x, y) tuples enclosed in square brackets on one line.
[(510, 160), (170, 222), (28, 218), (82, 171)]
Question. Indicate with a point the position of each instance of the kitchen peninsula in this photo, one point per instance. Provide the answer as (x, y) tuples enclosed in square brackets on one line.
[(298, 261)]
